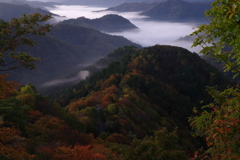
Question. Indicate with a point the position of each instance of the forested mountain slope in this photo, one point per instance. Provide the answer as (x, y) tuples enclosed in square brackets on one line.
[(72, 78), (94, 41), (107, 23), (57, 58), (66, 49), (154, 87), (136, 105)]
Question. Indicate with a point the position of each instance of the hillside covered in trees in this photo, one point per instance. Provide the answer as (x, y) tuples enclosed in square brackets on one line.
[(116, 55), (67, 47), (148, 103), (140, 100), (150, 88)]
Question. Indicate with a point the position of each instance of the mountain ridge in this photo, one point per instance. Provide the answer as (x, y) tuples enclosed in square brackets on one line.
[(9, 11), (64, 49), (132, 7), (107, 23), (102, 63), (89, 38), (178, 11), (150, 88), (113, 3), (169, 10)]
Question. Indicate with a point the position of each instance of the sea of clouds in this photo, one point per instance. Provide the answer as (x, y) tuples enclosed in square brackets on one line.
[(149, 33)]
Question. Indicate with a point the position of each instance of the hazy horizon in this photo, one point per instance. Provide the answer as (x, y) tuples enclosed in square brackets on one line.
[(150, 32)]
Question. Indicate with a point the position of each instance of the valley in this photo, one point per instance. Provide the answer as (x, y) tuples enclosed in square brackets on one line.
[(154, 32), (135, 27), (119, 80)]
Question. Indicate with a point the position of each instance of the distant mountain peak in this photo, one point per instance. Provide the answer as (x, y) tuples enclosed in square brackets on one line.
[(82, 17), (111, 15), (107, 23), (178, 11)]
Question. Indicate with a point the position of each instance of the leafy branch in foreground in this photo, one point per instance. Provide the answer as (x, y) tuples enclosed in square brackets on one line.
[(14, 34), (223, 30), (219, 123)]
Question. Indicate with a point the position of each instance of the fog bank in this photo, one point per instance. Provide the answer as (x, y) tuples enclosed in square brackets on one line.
[(80, 76), (150, 32)]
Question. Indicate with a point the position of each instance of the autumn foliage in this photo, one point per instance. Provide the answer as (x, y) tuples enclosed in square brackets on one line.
[(87, 152), (220, 125), (7, 88), (12, 145)]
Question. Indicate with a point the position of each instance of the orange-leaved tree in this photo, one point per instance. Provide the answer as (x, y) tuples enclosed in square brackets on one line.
[(7, 88), (219, 122), (11, 145)]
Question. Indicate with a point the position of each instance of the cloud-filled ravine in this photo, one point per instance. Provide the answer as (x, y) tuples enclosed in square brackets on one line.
[(149, 32)]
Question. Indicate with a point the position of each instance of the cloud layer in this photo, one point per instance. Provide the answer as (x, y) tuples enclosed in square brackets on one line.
[(80, 76), (149, 33)]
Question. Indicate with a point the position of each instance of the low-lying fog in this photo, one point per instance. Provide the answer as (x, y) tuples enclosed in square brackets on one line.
[(149, 33), (80, 76)]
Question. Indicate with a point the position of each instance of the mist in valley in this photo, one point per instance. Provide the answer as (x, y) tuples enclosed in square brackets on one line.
[(79, 76), (149, 33)]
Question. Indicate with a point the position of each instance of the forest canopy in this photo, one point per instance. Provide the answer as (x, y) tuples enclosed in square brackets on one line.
[(219, 121), (136, 108)]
